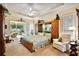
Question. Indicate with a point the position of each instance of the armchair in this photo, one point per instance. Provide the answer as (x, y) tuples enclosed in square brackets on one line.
[(62, 46)]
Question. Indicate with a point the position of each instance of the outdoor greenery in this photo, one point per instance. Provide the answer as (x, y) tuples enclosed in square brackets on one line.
[(17, 27)]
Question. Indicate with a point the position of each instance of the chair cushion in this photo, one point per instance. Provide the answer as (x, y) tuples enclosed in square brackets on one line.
[(55, 40), (59, 43)]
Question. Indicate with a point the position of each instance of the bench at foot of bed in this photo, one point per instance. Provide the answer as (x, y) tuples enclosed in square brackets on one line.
[(28, 45)]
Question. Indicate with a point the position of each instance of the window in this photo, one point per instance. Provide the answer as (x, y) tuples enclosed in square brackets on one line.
[(67, 22), (16, 26)]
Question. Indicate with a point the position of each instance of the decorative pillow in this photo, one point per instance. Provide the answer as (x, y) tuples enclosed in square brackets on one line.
[(60, 39)]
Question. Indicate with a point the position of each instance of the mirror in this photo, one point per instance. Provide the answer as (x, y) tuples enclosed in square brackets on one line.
[(47, 28)]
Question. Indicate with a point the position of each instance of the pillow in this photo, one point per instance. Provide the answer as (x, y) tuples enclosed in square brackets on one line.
[(60, 39)]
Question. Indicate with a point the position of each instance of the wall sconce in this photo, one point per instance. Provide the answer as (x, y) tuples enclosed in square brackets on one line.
[(5, 26)]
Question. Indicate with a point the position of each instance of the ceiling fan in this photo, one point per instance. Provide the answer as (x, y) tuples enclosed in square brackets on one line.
[(31, 11)]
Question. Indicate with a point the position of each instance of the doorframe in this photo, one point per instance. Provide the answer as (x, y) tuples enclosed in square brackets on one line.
[(2, 44)]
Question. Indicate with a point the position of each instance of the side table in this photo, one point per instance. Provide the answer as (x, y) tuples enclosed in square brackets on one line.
[(73, 49)]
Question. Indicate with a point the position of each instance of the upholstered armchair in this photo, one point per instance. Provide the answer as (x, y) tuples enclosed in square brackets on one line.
[(61, 44)]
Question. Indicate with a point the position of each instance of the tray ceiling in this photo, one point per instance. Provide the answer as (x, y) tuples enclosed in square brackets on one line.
[(32, 9)]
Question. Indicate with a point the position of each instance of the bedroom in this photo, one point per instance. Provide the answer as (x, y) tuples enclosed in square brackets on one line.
[(38, 27)]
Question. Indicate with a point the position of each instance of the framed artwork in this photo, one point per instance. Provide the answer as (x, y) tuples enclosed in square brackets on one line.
[(47, 28)]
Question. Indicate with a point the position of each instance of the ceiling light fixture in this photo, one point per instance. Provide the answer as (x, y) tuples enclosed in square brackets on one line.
[(30, 9)]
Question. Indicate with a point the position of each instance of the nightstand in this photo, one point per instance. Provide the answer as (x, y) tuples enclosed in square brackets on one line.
[(73, 48)]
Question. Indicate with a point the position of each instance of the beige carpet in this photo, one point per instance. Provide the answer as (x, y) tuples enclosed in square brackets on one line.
[(16, 49)]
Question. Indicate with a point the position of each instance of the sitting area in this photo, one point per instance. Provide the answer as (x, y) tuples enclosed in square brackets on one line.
[(9, 38), (62, 42)]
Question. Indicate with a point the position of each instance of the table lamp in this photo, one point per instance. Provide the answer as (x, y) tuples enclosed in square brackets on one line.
[(73, 36)]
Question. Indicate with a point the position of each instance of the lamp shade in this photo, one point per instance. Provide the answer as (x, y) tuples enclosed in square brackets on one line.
[(72, 28), (73, 34)]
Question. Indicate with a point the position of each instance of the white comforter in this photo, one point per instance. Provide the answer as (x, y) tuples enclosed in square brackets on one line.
[(40, 41), (37, 40)]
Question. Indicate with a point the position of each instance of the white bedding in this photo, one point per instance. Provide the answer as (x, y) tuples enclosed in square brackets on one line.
[(40, 41), (37, 40)]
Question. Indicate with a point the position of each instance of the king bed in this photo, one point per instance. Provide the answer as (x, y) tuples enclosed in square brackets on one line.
[(33, 42)]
